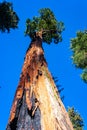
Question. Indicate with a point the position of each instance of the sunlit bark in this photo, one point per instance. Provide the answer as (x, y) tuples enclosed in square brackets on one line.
[(37, 104)]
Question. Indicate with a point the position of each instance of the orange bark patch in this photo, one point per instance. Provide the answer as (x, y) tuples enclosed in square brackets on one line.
[(37, 96)]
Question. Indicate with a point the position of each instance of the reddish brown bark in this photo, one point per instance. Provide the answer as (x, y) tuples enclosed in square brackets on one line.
[(37, 105)]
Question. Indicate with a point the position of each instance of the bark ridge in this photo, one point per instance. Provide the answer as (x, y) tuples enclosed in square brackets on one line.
[(37, 104)]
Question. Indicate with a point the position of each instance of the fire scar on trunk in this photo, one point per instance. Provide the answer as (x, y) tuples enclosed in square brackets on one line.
[(37, 105)]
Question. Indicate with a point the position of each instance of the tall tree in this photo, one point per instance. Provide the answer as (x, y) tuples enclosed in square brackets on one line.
[(76, 119), (8, 17), (37, 104), (79, 48)]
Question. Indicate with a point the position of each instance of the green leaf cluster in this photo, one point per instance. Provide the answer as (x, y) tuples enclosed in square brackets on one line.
[(79, 48), (47, 23), (76, 119), (8, 18)]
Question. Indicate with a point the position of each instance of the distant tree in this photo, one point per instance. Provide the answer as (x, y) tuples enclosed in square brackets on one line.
[(76, 119), (79, 48), (46, 26), (8, 17)]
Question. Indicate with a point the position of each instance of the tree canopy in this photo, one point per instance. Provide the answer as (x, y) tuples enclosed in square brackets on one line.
[(47, 24), (8, 17), (79, 48), (76, 119)]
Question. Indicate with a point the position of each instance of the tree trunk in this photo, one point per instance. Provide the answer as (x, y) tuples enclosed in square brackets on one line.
[(37, 104)]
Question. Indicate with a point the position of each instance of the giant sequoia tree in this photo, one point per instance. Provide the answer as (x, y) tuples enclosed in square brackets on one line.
[(79, 48), (37, 104)]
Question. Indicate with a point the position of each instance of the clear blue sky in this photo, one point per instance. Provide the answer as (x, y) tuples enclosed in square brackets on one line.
[(13, 47)]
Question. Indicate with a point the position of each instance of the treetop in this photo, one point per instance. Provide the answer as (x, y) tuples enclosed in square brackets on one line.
[(47, 25), (75, 118), (8, 17)]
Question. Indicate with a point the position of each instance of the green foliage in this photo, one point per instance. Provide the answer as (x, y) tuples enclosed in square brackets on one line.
[(79, 48), (76, 119), (84, 75), (47, 23), (8, 18)]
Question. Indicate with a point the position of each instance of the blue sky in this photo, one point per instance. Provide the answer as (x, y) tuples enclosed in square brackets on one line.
[(13, 47)]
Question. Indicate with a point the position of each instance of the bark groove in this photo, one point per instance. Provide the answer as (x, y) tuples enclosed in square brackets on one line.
[(37, 105)]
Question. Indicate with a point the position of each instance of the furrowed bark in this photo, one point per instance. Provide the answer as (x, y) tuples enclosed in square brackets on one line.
[(37, 104)]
